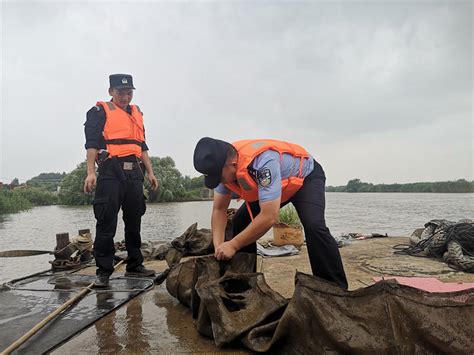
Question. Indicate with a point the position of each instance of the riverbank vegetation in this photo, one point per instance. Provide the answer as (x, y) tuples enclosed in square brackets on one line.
[(355, 185), (173, 186), (47, 181), (24, 197), (67, 189)]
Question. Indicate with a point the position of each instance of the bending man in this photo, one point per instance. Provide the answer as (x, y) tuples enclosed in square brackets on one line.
[(267, 174)]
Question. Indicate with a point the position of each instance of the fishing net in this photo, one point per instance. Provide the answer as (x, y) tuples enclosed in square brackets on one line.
[(453, 242)]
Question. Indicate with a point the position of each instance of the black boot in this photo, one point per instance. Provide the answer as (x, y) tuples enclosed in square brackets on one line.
[(140, 271), (101, 281)]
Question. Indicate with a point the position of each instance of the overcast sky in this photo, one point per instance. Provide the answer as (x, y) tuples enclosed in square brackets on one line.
[(377, 91)]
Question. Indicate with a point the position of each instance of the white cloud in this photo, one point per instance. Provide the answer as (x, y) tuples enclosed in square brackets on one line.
[(359, 84)]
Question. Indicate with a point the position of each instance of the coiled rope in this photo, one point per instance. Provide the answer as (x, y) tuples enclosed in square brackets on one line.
[(454, 242)]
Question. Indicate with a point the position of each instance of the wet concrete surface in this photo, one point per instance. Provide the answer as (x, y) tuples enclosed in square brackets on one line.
[(24, 303), (155, 322), (151, 323)]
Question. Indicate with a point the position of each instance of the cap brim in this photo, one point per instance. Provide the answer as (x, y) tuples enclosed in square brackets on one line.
[(123, 87), (212, 182)]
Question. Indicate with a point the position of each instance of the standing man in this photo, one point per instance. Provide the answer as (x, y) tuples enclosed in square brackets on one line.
[(115, 139), (267, 174)]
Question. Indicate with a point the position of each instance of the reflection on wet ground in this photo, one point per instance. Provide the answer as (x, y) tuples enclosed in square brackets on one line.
[(151, 323), (25, 303)]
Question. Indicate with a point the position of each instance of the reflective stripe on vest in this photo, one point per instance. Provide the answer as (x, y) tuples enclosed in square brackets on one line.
[(123, 132), (246, 187)]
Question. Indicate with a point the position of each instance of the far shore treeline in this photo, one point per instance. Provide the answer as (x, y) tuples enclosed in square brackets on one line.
[(355, 185), (67, 189)]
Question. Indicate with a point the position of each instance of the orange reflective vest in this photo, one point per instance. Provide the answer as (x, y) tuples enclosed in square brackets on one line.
[(245, 186), (123, 132)]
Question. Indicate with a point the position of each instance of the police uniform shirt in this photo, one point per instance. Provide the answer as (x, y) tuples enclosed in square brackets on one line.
[(268, 170), (94, 126)]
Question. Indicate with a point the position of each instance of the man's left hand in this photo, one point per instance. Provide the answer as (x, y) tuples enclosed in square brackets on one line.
[(153, 181), (225, 251)]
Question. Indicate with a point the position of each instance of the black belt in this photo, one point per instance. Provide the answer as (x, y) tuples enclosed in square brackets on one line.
[(123, 141)]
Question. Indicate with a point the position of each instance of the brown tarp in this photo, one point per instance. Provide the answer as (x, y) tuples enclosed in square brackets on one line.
[(182, 278), (383, 318), (232, 305), (233, 299)]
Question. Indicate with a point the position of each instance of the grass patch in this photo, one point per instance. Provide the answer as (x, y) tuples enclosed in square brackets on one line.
[(289, 216)]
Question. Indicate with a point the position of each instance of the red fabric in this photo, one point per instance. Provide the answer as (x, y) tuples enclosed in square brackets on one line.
[(429, 284)]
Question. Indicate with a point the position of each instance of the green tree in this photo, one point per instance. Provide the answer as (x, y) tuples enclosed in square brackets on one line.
[(37, 196), (72, 187), (11, 201), (193, 183), (47, 181), (172, 185), (193, 187), (353, 185), (171, 182), (14, 183)]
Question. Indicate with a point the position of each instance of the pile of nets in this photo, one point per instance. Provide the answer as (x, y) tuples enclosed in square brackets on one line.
[(453, 242)]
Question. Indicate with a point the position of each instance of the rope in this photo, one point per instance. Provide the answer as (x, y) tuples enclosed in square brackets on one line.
[(463, 234), (418, 248), (452, 242)]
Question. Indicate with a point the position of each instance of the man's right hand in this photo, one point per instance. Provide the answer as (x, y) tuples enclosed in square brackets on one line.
[(90, 182)]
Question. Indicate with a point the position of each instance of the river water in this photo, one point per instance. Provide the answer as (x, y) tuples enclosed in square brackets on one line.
[(392, 213)]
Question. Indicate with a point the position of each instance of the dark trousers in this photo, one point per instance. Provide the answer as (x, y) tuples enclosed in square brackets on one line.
[(118, 189), (310, 203)]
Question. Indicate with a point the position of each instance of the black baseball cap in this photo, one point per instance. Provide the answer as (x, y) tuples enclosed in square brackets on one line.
[(121, 81), (210, 156)]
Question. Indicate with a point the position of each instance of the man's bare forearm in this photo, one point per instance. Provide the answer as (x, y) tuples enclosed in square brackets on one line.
[(257, 228), (218, 224), (147, 162), (219, 217), (91, 156)]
